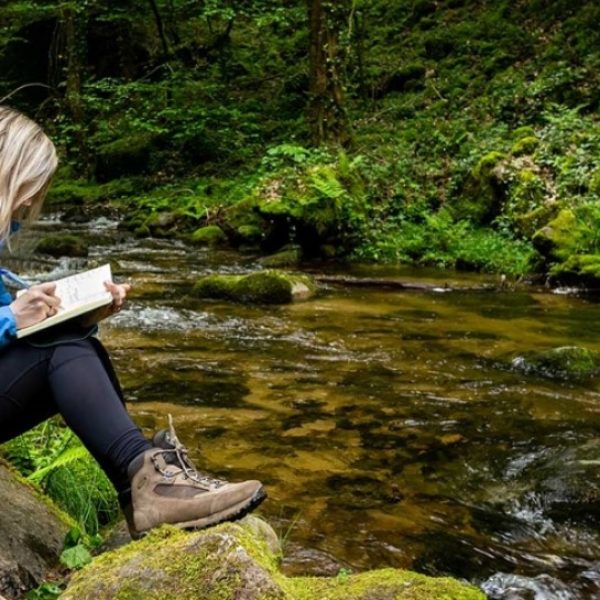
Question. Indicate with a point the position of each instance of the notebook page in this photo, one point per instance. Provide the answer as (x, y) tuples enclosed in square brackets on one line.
[(83, 287)]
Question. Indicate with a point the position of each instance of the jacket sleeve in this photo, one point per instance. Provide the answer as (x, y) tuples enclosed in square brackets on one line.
[(8, 325)]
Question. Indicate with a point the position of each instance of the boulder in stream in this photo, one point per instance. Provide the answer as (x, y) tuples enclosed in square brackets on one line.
[(32, 532), (210, 235), (237, 561), (567, 362), (62, 245), (263, 287)]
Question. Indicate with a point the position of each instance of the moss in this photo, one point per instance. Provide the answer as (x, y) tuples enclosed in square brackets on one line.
[(594, 186), (168, 563), (286, 258), (62, 245), (556, 238), (567, 362), (242, 213), (530, 222), (211, 235), (80, 193), (265, 287), (526, 145), (129, 155), (484, 191), (60, 515), (486, 165), (233, 561), (382, 584), (249, 234)]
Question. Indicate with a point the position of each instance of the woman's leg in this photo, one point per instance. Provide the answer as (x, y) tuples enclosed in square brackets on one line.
[(69, 379)]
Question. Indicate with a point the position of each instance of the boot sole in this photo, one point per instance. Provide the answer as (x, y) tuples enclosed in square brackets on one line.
[(233, 513)]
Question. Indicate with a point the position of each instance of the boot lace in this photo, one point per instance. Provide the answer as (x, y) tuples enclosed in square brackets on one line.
[(180, 452)]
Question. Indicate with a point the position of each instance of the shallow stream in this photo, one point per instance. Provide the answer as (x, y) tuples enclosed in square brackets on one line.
[(386, 425)]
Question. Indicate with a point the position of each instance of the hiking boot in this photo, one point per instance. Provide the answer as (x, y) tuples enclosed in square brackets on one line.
[(166, 488)]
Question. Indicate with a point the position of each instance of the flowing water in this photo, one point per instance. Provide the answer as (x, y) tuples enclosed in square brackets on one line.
[(386, 425)]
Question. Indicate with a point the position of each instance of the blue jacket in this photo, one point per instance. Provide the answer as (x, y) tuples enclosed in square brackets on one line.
[(8, 325)]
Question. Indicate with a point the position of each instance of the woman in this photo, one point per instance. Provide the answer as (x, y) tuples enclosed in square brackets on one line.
[(70, 373)]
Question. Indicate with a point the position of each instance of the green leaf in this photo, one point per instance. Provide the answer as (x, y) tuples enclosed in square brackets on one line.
[(64, 458), (75, 557)]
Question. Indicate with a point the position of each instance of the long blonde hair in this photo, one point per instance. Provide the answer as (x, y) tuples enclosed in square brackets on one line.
[(28, 161)]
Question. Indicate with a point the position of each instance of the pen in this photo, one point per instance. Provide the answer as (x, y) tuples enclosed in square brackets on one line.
[(13, 278)]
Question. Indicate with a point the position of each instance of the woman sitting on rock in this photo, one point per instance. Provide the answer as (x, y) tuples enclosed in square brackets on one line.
[(70, 373)]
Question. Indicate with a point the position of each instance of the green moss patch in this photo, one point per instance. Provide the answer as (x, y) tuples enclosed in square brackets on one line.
[(264, 287), (62, 245), (234, 560)]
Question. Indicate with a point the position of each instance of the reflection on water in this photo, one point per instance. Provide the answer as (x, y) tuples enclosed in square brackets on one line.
[(387, 426)]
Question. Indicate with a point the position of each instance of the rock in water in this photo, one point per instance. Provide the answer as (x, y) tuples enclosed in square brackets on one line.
[(567, 362), (263, 287), (237, 561), (32, 532)]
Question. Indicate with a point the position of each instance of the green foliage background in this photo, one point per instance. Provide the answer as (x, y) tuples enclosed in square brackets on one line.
[(473, 124)]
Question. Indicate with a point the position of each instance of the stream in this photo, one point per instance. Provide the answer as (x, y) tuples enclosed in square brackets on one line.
[(386, 425)]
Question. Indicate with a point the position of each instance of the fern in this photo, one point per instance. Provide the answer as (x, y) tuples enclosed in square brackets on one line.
[(64, 459)]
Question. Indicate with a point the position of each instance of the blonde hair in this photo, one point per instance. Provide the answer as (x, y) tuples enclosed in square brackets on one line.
[(28, 161)]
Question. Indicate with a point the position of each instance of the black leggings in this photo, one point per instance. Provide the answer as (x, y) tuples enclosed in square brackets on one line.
[(72, 379)]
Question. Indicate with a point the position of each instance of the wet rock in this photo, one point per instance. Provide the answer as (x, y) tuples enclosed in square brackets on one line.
[(287, 257), (264, 287), (211, 235), (62, 245), (32, 531), (566, 362), (236, 560), (163, 224)]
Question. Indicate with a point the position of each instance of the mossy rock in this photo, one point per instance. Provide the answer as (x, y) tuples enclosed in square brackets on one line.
[(527, 224), (62, 245), (579, 266), (234, 560), (241, 214), (567, 362), (163, 224), (211, 235), (264, 287), (484, 191), (32, 531), (289, 257), (130, 155), (249, 234), (557, 237), (526, 145)]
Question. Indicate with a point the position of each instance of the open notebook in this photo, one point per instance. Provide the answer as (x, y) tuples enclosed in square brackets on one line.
[(79, 294)]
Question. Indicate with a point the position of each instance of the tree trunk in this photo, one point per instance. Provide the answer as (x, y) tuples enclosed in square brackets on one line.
[(73, 24), (160, 28), (326, 112)]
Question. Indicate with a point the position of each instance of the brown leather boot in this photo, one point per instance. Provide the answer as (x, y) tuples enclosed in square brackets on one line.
[(166, 488)]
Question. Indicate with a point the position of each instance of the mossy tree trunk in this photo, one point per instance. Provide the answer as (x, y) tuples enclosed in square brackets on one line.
[(326, 111)]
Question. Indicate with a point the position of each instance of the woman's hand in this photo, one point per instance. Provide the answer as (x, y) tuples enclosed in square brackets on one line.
[(35, 305), (119, 293)]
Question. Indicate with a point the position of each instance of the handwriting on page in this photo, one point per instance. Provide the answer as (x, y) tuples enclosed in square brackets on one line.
[(82, 287)]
